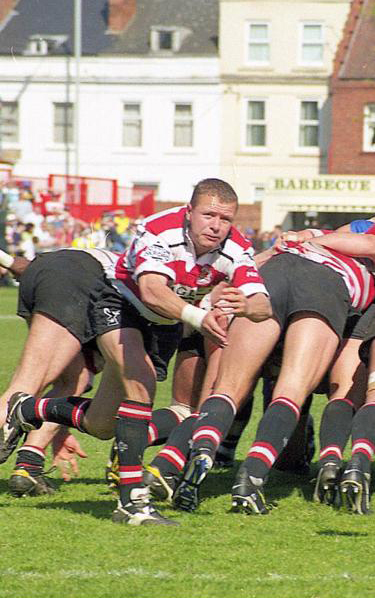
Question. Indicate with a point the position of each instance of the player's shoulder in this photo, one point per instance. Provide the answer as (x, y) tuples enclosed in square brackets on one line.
[(173, 218), (236, 242)]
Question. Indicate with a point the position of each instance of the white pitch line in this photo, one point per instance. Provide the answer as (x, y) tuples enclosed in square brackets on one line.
[(140, 572)]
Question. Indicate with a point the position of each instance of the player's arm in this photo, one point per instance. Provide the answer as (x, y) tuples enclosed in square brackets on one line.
[(156, 294), (351, 244), (16, 265)]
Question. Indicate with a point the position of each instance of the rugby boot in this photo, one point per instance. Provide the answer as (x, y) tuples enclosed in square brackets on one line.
[(27, 481), (139, 511), (247, 496), (7, 449), (161, 486), (327, 487), (355, 488), (186, 496), (15, 425)]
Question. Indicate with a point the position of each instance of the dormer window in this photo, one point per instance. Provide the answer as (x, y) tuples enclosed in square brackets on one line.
[(41, 45), (165, 39)]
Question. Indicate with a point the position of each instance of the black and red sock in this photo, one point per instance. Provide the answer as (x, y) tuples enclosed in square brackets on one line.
[(161, 425), (133, 419), (335, 429), (363, 436), (172, 458), (31, 458), (68, 411), (274, 430), (213, 424)]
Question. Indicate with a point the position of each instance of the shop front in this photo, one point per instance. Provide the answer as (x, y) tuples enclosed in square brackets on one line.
[(323, 201)]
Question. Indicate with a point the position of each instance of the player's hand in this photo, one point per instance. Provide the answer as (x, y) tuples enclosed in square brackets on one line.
[(296, 236), (256, 308), (66, 448), (232, 302), (213, 329)]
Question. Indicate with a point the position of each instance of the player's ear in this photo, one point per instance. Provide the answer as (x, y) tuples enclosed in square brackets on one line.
[(188, 213)]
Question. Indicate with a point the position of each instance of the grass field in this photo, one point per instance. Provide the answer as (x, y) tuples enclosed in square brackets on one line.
[(66, 545)]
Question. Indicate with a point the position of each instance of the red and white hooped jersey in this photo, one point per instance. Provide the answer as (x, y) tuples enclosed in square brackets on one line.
[(355, 271), (162, 245)]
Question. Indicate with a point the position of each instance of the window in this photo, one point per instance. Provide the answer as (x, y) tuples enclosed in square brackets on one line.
[(8, 121), (309, 124), (183, 125), (369, 128), (132, 125), (256, 123), (312, 44), (165, 39), (258, 43), (41, 46), (63, 122), (259, 192)]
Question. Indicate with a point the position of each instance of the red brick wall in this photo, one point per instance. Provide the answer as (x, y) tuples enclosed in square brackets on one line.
[(346, 155)]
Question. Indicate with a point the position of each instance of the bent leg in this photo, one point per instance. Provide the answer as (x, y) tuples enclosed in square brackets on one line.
[(48, 350), (309, 347)]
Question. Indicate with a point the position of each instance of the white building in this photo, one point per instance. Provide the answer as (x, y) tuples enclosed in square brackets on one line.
[(149, 94)]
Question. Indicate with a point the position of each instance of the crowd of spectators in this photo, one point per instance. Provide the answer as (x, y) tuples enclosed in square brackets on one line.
[(31, 227)]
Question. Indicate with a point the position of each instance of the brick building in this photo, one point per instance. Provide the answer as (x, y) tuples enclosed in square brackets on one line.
[(352, 148)]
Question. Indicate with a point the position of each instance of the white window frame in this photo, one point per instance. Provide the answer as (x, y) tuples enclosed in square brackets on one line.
[(155, 39), (266, 40), (176, 121), (134, 120), (259, 192), (70, 124), (300, 122), (6, 140), (39, 45), (368, 127), (302, 43), (255, 148)]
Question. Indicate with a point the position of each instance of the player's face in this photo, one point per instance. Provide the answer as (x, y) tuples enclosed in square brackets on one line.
[(210, 221)]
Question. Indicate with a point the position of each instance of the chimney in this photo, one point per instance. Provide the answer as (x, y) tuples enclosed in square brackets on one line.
[(120, 14), (6, 6)]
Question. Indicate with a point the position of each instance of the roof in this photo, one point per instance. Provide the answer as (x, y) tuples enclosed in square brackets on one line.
[(196, 19), (55, 17), (355, 58)]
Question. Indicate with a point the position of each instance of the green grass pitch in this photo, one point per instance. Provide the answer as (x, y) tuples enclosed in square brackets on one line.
[(66, 545)]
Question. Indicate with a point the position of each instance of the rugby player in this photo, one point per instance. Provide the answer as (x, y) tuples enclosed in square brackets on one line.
[(356, 477), (57, 351), (314, 324), (176, 258)]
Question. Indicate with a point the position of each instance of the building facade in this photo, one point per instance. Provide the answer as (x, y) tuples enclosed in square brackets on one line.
[(276, 59), (149, 92)]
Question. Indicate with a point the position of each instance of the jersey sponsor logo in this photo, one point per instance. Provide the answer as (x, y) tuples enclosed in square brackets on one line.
[(112, 316), (190, 294), (157, 252), (252, 274)]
